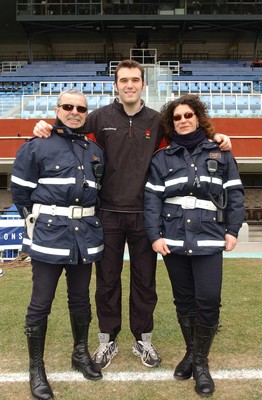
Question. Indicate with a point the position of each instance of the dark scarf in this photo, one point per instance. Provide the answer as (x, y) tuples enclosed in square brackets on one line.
[(190, 140), (80, 132)]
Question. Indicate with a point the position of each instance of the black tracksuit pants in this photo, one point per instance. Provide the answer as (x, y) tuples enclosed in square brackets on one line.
[(120, 228)]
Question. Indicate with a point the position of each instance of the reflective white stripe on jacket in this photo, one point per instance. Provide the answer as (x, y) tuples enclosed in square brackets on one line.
[(59, 171)]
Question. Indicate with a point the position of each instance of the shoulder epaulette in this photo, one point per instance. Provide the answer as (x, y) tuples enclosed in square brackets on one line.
[(93, 140)]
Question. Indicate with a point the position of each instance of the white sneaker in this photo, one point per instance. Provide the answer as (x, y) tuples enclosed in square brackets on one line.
[(146, 351), (105, 352)]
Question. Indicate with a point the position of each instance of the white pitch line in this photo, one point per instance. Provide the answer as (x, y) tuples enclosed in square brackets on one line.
[(163, 375)]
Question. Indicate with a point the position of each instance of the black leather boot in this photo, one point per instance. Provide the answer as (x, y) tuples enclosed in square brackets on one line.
[(81, 359), (203, 339), (39, 385), (185, 368)]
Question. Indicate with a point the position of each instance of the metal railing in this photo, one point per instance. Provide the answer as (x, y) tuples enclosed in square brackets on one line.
[(11, 66), (116, 7)]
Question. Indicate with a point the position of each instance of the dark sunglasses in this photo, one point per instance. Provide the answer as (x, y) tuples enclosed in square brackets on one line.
[(187, 115), (70, 107)]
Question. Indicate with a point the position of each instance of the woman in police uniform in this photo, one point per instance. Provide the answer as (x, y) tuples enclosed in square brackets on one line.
[(194, 208)]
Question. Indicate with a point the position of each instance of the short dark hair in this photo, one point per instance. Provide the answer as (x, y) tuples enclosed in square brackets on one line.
[(130, 64)]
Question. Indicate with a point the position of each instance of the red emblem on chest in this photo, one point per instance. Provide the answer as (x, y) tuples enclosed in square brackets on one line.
[(148, 134)]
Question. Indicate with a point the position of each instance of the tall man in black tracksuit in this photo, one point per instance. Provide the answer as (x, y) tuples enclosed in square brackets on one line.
[(129, 133)]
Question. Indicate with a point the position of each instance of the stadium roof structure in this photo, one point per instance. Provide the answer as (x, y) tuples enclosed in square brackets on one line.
[(29, 19), (144, 16)]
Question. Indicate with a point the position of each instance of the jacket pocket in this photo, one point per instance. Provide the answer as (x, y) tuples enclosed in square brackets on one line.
[(173, 222), (209, 226)]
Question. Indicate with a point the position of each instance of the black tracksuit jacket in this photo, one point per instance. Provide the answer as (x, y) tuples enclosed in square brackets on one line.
[(129, 143)]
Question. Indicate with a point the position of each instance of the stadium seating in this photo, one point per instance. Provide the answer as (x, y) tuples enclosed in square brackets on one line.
[(203, 87), (36, 87)]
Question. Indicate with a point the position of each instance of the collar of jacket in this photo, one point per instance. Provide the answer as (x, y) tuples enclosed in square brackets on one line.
[(61, 129), (119, 106), (206, 144), (66, 132)]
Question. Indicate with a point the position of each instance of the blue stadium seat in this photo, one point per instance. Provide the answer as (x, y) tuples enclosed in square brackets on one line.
[(104, 101), (184, 87), (232, 113), (55, 88), (205, 87), (220, 112), (226, 87), (211, 113), (175, 87), (108, 87), (194, 87), (77, 86), (217, 102), (66, 86), (92, 102), (242, 102), (45, 88), (25, 114), (257, 113), (52, 100), (162, 87), (236, 87), (255, 103), (215, 87), (97, 88), (246, 88), (230, 102), (245, 113), (206, 99), (219, 86), (87, 88), (41, 103)]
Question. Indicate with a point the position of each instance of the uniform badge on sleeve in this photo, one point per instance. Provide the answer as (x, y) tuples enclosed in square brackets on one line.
[(215, 155)]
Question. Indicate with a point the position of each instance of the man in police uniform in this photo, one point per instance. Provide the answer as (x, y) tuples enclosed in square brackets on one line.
[(55, 187)]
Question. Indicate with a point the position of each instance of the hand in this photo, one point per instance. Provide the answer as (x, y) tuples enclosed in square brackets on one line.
[(231, 241), (42, 129), (224, 140), (160, 246)]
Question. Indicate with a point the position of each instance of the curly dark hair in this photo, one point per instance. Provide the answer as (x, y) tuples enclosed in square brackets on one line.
[(199, 108)]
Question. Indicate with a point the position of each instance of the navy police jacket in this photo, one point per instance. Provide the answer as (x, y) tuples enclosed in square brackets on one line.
[(59, 172), (175, 176)]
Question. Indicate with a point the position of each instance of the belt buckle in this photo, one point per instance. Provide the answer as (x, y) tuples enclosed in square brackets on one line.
[(53, 207), (75, 212), (189, 202)]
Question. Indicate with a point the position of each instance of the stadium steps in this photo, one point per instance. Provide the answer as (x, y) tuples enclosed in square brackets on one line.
[(255, 231)]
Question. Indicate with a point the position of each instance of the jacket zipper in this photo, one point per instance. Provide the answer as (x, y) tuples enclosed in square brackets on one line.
[(130, 128)]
